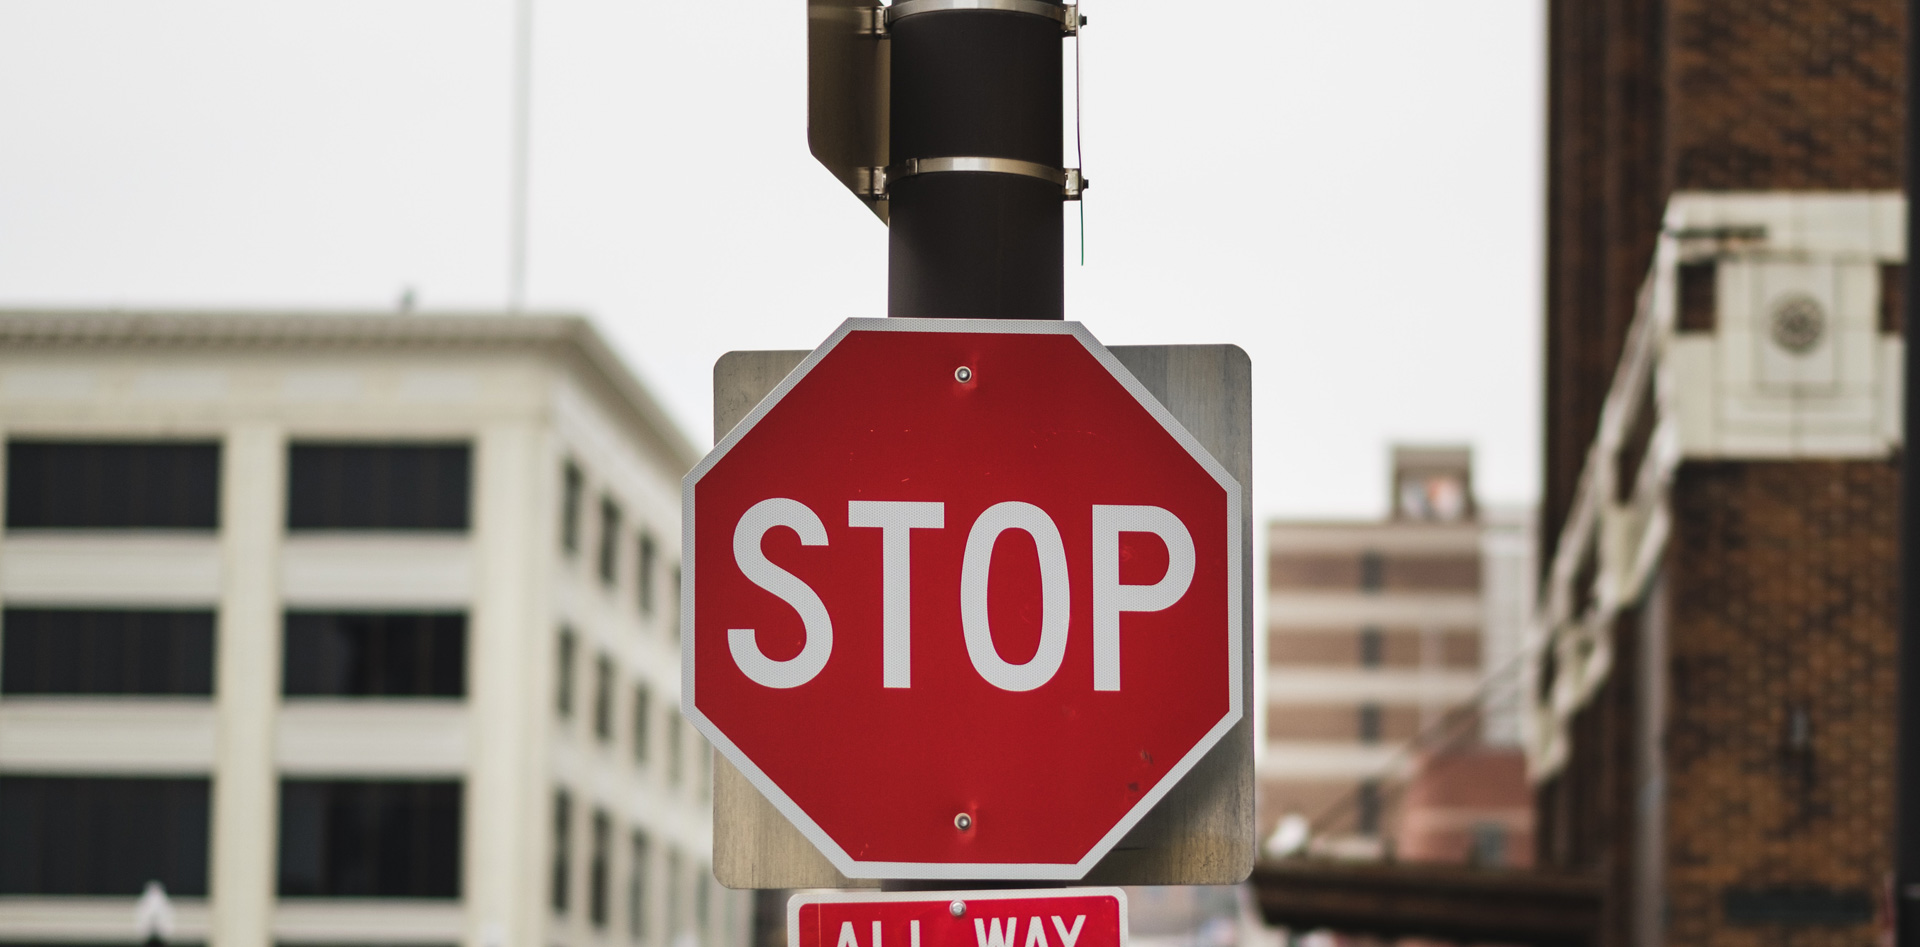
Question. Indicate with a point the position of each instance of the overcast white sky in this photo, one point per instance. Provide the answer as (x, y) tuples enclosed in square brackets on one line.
[(1348, 190)]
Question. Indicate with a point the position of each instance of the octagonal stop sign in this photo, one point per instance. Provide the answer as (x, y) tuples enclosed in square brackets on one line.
[(961, 599)]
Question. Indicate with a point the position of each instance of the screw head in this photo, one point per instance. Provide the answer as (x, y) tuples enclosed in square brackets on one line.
[(963, 822), (957, 908), (963, 374)]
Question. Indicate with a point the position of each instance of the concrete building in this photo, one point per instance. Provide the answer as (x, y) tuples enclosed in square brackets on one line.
[(349, 630), (1390, 651), (1714, 693)]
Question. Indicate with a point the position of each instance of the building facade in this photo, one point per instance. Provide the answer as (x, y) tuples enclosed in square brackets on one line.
[(1713, 688), (348, 630), (1390, 652)]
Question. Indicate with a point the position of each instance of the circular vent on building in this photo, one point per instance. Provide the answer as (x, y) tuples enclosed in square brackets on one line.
[(1798, 323)]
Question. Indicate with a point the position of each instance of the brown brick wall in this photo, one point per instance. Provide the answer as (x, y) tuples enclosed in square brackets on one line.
[(1313, 571), (1339, 722), (1784, 594), (1399, 648), (1649, 96), (1432, 573), (1606, 192), (1786, 94), (1585, 815), (1396, 572)]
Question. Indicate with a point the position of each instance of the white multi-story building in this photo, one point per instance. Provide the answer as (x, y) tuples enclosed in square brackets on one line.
[(349, 630)]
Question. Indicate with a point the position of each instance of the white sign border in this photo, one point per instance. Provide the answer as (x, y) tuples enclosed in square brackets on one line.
[(843, 862)]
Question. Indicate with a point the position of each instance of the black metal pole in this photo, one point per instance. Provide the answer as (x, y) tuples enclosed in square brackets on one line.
[(975, 245), (1905, 901), (972, 83)]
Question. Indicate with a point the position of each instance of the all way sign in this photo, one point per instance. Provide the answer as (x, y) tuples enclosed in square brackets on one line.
[(1061, 917)]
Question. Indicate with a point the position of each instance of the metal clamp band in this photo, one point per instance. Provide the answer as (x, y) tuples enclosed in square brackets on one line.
[(1067, 15), (877, 181)]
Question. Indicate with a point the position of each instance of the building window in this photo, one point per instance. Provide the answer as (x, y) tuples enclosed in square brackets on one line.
[(637, 887), (1369, 724), (1373, 571), (603, 698), (649, 554), (368, 839), (642, 722), (1489, 845), (1373, 647), (101, 651), (703, 905), (572, 484), (1698, 301), (704, 753), (89, 485), (676, 602), (609, 540), (1367, 806), (597, 880), (562, 849), (563, 673), (676, 900), (1893, 294), (676, 752), (423, 487), (360, 654), (63, 835)]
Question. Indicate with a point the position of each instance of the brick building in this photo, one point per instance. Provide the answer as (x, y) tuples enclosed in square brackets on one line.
[(1712, 730), (1380, 635)]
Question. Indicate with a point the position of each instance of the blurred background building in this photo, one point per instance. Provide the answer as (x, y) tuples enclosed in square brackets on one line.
[(1392, 725), (1712, 697), (348, 630)]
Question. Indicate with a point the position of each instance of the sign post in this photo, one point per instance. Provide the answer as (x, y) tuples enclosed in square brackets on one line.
[(965, 594)]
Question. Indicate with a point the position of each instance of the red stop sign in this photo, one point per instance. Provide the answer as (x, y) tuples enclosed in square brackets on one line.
[(961, 599)]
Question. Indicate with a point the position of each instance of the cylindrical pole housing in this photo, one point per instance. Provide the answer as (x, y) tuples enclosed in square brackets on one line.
[(975, 245)]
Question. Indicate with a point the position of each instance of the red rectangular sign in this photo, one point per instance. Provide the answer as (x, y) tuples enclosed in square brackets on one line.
[(1061, 917)]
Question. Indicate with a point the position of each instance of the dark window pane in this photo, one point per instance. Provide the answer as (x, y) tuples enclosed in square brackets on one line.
[(676, 754), (102, 836), (1372, 647), (642, 722), (609, 539), (597, 869), (1893, 297), (1372, 571), (353, 654), (563, 673), (562, 849), (85, 485), (1368, 806), (603, 698), (102, 651), (637, 887), (572, 482), (649, 554), (1699, 297), (1369, 723), (378, 486), (360, 839)]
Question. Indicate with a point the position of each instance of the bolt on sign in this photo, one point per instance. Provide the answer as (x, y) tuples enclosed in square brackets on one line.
[(962, 599), (1064, 917)]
